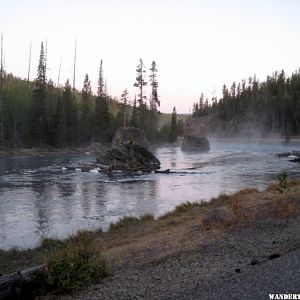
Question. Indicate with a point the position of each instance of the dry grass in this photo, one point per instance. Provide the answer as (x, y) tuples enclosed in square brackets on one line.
[(16, 260), (128, 221)]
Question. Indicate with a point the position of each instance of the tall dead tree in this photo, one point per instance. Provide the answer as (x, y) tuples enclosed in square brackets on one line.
[(74, 67), (58, 77), (29, 64)]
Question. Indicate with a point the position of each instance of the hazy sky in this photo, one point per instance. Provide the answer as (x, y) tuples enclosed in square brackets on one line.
[(197, 45)]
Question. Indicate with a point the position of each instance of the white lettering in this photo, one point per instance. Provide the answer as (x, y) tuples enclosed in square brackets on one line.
[(284, 296)]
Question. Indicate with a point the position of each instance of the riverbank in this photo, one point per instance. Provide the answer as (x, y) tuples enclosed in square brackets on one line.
[(98, 147), (179, 256), (10, 152), (93, 148)]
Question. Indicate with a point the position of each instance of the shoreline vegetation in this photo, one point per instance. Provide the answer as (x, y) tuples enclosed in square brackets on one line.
[(6, 153), (98, 147), (92, 148), (134, 243)]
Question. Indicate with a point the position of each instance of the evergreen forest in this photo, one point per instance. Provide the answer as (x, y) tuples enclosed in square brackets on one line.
[(273, 104), (41, 113)]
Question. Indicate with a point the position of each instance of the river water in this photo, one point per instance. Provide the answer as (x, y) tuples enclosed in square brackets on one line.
[(38, 199)]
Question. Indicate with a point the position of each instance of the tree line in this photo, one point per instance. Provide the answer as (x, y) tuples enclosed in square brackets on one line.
[(274, 104), (39, 113)]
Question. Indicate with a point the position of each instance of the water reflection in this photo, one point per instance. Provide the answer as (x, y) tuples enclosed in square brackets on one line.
[(42, 209), (37, 199)]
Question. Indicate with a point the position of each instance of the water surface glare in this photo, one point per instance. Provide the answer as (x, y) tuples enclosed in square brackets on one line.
[(38, 199)]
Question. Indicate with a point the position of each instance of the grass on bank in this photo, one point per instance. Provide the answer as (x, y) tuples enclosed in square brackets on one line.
[(77, 265), (129, 220)]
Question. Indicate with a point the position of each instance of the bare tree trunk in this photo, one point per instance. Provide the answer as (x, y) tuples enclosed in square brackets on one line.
[(21, 285), (29, 64), (74, 70), (58, 78)]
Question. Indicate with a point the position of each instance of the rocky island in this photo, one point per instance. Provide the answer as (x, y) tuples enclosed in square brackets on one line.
[(129, 152)]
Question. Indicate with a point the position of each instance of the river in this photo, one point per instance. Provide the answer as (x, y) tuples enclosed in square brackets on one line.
[(38, 199)]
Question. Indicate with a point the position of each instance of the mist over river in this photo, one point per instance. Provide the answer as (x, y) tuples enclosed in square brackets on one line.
[(38, 199)]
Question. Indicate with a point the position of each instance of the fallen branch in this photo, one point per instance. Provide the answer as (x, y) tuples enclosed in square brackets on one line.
[(22, 284)]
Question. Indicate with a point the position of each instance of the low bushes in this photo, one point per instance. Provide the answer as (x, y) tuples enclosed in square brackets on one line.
[(75, 266), (129, 220)]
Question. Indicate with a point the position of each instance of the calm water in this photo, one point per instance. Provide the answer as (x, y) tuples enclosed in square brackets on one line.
[(38, 199)]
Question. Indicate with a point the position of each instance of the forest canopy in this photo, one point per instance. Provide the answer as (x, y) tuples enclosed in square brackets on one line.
[(42, 113), (274, 104)]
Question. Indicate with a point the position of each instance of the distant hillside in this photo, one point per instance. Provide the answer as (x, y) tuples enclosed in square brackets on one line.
[(251, 108), (213, 126)]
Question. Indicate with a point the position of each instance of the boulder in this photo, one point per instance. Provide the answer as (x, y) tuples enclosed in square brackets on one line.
[(221, 216), (129, 152), (129, 156), (129, 134), (193, 143)]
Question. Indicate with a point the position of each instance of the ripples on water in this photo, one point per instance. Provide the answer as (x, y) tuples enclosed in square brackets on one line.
[(37, 199)]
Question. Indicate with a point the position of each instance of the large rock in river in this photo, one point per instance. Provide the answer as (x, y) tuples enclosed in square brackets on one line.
[(129, 152), (193, 143)]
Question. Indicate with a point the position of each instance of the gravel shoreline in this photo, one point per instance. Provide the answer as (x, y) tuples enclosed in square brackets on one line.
[(238, 265)]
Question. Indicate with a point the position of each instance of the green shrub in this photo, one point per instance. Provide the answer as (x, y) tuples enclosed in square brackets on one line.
[(146, 217), (84, 237), (185, 207), (283, 182), (52, 244), (74, 267), (123, 222), (129, 220)]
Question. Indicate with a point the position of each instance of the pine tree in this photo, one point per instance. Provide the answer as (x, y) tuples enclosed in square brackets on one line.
[(70, 113), (102, 116), (61, 126), (86, 110), (154, 102), (53, 94), (142, 112), (38, 120), (140, 82), (101, 87), (173, 129), (124, 100), (154, 85), (201, 104)]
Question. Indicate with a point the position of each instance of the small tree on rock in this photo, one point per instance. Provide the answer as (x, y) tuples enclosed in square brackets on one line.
[(124, 100)]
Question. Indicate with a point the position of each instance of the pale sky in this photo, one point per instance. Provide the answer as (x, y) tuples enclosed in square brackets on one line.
[(197, 45)]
